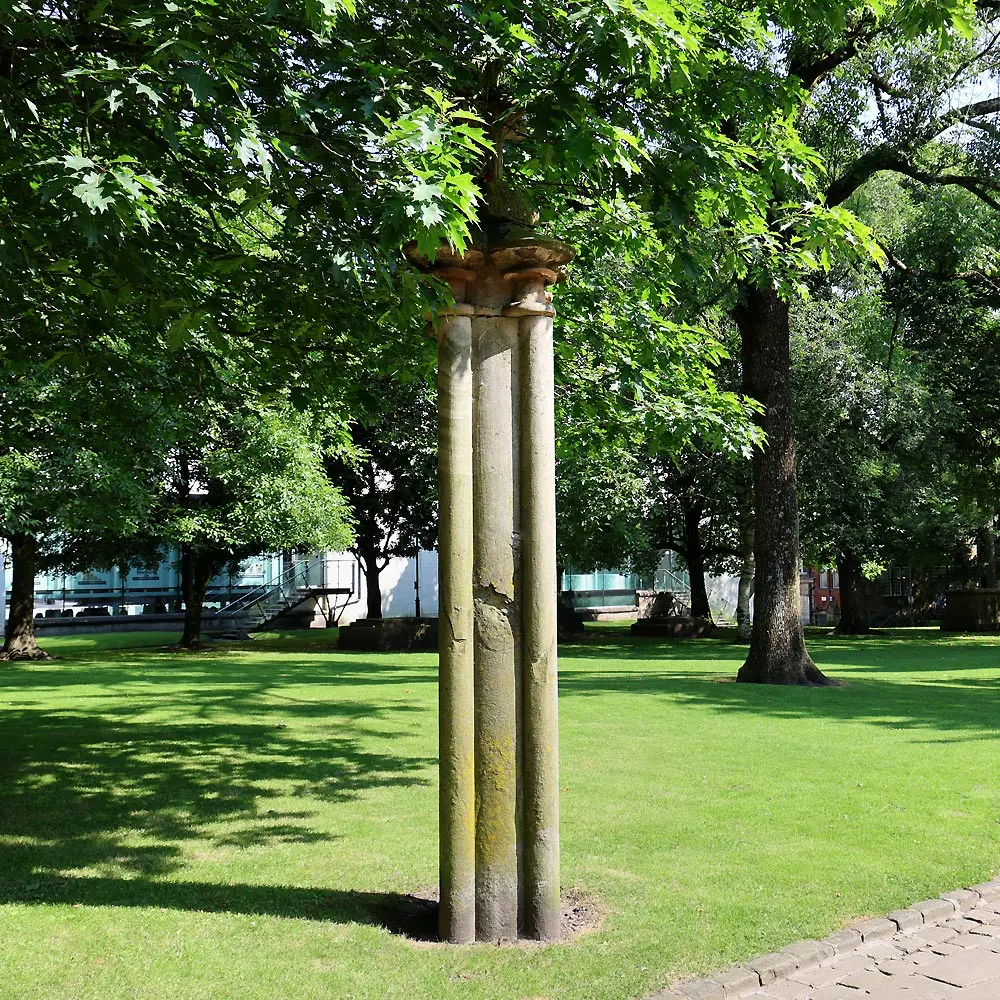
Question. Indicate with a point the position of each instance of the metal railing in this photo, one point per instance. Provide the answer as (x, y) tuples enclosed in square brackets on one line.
[(263, 603)]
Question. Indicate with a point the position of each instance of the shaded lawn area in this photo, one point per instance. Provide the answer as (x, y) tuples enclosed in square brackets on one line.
[(245, 823)]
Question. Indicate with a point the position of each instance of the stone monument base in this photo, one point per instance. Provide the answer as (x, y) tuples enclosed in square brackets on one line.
[(673, 627), (390, 635)]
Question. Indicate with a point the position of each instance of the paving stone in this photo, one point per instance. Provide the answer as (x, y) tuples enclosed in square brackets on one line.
[(835, 993), (964, 899), (962, 925), (966, 969), (827, 973), (787, 990), (874, 930), (898, 967), (934, 935), (989, 892), (945, 948), (933, 910), (737, 980), (809, 953), (665, 995), (907, 920), (701, 989), (881, 950), (773, 966), (845, 940), (970, 941), (874, 982), (919, 989), (987, 931)]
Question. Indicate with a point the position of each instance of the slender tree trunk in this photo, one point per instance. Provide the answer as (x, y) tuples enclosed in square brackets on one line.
[(694, 555), (854, 618), (986, 556), (19, 634), (744, 625), (777, 645), (370, 562), (196, 571)]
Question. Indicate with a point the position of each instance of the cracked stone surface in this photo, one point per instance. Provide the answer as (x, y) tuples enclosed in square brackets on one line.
[(964, 964), (953, 955)]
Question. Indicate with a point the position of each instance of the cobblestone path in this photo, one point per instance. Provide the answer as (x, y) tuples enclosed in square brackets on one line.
[(939, 949)]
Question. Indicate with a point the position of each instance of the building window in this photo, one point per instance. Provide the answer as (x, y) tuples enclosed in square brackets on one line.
[(897, 583), (824, 580)]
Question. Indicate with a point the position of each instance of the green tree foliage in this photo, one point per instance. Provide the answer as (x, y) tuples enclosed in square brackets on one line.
[(390, 478), (245, 480), (77, 456)]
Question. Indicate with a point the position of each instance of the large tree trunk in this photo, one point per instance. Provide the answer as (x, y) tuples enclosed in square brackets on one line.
[(853, 595), (19, 634), (986, 556), (777, 645), (744, 624), (196, 571), (373, 589), (694, 556)]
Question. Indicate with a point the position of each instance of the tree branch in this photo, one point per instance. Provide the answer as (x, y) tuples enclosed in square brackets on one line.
[(973, 277), (885, 158)]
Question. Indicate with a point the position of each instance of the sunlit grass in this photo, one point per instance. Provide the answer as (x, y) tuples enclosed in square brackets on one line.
[(240, 823)]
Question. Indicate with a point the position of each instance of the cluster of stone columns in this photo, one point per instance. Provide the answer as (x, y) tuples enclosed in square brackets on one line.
[(498, 590)]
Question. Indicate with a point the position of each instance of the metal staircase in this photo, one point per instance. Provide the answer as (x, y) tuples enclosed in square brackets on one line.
[(677, 583), (260, 606)]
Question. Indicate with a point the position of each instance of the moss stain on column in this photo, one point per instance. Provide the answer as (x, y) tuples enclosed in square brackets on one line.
[(538, 598), (457, 700), (496, 646)]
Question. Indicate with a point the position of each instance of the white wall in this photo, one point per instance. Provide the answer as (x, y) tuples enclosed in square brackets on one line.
[(397, 584)]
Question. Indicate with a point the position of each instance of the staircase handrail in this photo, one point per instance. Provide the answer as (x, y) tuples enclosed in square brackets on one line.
[(259, 595)]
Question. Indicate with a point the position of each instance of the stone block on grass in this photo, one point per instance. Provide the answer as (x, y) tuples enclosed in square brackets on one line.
[(845, 940), (989, 892), (701, 989), (874, 930), (907, 920), (773, 966), (934, 910), (737, 980), (810, 953), (964, 899)]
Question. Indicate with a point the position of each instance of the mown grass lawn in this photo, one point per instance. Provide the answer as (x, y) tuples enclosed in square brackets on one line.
[(238, 824)]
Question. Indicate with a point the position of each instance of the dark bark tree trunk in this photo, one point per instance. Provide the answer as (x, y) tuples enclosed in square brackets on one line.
[(373, 570), (986, 556), (777, 645), (19, 634), (854, 619), (196, 571), (694, 556), (744, 625)]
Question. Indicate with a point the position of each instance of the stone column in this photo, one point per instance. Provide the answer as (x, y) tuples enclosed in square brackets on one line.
[(538, 606), (457, 920), (498, 681), (495, 524)]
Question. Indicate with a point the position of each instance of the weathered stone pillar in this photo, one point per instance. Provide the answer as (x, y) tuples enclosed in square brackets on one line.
[(495, 520), (539, 588), (498, 592), (457, 705)]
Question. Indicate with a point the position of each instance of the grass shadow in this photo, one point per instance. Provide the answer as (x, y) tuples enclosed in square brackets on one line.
[(98, 809), (407, 915)]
